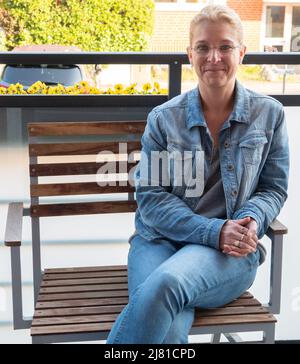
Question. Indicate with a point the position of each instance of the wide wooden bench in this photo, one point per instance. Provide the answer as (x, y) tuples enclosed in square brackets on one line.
[(82, 303)]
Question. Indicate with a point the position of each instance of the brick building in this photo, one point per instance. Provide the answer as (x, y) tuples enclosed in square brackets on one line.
[(267, 24)]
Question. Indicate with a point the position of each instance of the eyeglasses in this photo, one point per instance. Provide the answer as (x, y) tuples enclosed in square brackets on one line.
[(224, 50)]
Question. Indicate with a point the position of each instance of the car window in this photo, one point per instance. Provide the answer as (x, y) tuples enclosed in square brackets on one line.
[(49, 74)]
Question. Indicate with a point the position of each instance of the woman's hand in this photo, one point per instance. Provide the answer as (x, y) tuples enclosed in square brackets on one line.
[(238, 237)]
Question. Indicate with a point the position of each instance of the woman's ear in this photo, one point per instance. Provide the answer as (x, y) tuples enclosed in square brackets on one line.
[(189, 53)]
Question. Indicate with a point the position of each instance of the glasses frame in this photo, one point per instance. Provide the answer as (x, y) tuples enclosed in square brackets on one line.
[(220, 52)]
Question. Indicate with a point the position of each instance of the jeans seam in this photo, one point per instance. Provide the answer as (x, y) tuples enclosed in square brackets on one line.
[(122, 324)]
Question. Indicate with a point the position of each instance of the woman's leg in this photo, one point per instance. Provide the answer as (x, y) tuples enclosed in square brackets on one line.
[(143, 258), (194, 276)]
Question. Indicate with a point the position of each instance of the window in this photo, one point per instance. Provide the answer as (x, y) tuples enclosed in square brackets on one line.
[(275, 21), (295, 38)]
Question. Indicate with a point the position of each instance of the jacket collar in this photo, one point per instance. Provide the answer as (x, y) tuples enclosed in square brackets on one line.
[(240, 113)]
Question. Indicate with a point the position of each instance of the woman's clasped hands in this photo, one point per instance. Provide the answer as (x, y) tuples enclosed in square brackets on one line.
[(238, 237)]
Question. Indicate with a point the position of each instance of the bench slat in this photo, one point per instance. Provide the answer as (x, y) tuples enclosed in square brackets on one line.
[(62, 312), (234, 319), (92, 148), (107, 268), (82, 295), (86, 208), (74, 320), (54, 277), (84, 288), (78, 311), (81, 281), (82, 188), (224, 311), (86, 128), (82, 302), (79, 328), (72, 169)]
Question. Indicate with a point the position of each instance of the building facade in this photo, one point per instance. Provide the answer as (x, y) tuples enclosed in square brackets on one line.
[(269, 24)]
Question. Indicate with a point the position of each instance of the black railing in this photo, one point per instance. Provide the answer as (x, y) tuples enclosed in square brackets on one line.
[(173, 60)]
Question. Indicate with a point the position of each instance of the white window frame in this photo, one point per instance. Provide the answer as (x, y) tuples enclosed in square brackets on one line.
[(284, 41), (182, 5)]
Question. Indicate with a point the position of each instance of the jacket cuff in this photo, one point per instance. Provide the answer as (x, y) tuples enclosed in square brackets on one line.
[(212, 236)]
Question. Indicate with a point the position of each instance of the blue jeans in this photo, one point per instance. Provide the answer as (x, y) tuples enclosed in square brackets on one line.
[(167, 280)]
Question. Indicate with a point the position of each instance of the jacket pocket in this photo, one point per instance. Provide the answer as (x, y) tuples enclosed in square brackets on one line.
[(252, 147)]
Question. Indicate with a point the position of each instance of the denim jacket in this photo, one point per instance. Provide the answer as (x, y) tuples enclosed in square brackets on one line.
[(254, 164)]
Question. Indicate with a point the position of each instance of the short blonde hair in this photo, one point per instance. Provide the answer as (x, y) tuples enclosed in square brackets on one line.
[(215, 14)]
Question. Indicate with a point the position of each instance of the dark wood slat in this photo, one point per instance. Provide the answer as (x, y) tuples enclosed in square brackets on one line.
[(107, 207), (244, 302), (225, 311), (234, 319), (79, 328), (72, 169), (93, 148), (69, 320), (75, 276), (106, 326), (82, 295), (86, 128), (13, 232), (277, 228), (82, 303), (104, 269), (86, 288), (78, 311), (80, 281), (82, 188)]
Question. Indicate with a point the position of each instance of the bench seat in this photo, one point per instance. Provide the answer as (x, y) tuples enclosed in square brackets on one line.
[(88, 300)]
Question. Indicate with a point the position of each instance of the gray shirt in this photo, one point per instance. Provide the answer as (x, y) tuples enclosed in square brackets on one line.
[(212, 202)]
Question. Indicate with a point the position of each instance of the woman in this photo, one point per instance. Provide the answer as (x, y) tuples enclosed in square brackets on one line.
[(197, 246)]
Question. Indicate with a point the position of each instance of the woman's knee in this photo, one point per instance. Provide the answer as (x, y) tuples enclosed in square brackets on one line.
[(169, 289)]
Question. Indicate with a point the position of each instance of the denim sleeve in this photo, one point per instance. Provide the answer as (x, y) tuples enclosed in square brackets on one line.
[(271, 192), (161, 210)]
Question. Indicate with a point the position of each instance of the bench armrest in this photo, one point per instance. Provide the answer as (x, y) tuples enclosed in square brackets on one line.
[(13, 232), (276, 228)]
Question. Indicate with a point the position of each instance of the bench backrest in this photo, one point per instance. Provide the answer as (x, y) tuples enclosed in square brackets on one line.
[(83, 159)]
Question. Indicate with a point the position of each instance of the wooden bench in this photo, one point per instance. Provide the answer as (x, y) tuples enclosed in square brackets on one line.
[(81, 304)]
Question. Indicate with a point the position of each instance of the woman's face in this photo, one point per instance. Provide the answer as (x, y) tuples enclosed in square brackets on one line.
[(215, 53)]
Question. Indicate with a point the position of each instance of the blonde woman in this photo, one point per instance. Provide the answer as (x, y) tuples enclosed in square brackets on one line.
[(196, 245)]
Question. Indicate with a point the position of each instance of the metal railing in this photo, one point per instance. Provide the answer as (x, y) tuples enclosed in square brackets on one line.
[(175, 61)]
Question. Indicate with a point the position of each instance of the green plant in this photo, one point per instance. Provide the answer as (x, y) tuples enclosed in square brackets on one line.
[(92, 25)]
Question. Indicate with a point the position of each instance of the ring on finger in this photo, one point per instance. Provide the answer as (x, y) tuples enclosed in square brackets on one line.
[(241, 239), (237, 243)]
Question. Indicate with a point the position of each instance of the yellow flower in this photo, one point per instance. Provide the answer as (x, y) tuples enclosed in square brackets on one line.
[(157, 86), (12, 90), (83, 84), (147, 87), (2, 91), (19, 87), (119, 88)]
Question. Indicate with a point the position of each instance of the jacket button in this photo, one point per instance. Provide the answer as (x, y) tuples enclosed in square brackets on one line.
[(230, 167), (234, 193), (226, 144)]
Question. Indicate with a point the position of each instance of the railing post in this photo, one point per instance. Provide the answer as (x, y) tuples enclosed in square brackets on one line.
[(175, 71)]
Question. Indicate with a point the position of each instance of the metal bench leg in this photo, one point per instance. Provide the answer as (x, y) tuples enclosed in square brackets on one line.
[(233, 338), (269, 334), (215, 338)]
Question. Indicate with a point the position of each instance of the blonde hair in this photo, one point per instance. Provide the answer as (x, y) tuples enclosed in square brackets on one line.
[(215, 14)]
